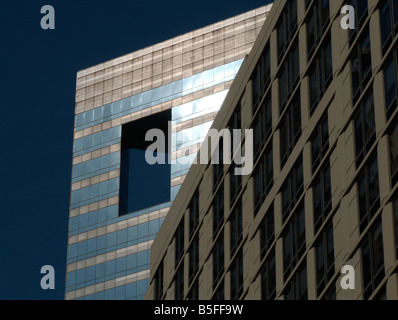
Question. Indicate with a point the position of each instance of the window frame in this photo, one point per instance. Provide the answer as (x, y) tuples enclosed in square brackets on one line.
[(361, 123), (375, 276), (323, 179), (293, 187), (323, 144), (322, 244), (294, 241), (263, 178), (371, 208)]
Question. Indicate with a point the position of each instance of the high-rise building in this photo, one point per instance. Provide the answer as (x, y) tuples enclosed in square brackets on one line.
[(321, 100), (118, 199)]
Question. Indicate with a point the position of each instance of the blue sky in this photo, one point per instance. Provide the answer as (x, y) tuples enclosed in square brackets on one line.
[(37, 90)]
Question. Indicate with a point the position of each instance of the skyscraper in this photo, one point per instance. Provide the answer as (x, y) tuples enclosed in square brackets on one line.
[(322, 199), (118, 200)]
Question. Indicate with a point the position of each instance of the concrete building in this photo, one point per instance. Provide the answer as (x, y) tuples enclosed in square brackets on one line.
[(118, 201), (322, 103)]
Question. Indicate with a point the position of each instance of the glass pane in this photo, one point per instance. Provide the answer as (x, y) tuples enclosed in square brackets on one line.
[(313, 86), (386, 25), (369, 118), (366, 61), (355, 74), (394, 150), (389, 79)]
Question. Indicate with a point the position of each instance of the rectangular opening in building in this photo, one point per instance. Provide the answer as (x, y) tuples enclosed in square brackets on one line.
[(143, 185)]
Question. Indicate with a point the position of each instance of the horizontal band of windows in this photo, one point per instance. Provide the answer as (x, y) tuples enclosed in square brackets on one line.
[(179, 173), (108, 256), (186, 151), (101, 177), (107, 278), (158, 95), (113, 241), (182, 164), (97, 153), (83, 230), (97, 166), (94, 193), (190, 136), (131, 286), (196, 108), (97, 141), (107, 270), (194, 97)]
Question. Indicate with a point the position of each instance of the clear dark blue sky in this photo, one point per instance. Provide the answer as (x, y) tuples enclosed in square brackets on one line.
[(37, 90)]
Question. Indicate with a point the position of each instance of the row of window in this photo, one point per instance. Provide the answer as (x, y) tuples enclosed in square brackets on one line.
[(320, 73)]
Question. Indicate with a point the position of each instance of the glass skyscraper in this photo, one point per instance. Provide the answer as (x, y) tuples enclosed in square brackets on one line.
[(118, 201)]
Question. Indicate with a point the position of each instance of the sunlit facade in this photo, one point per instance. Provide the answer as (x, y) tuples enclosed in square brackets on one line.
[(114, 212)]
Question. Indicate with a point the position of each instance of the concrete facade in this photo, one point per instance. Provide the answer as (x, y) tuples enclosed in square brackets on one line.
[(344, 206)]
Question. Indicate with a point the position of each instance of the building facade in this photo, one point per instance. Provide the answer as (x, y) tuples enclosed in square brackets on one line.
[(322, 103), (118, 200)]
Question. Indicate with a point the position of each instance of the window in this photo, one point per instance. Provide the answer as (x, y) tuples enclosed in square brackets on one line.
[(395, 209), (317, 22), (159, 282), (393, 141), (267, 231), (219, 294), (194, 213), (381, 294), (294, 241), (320, 73), (322, 196), (237, 277), (368, 188), (289, 75), (319, 142), (361, 65), (268, 277), (218, 211), (261, 77), (390, 83), (194, 292), (324, 258), (235, 184), (179, 283), (290, 129), (262, 126), (263, 178), (218, 259), (361, 13), (292, 189), (330, 294), (286, 27), (297, 287), (365, 129), (236, 227), (218, 168), (372, 259), (389, 22), (179, 242), (194, 258), (235, 123)]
